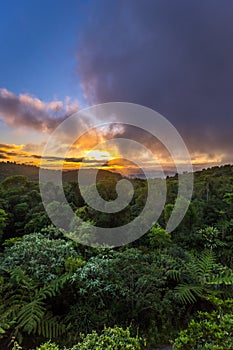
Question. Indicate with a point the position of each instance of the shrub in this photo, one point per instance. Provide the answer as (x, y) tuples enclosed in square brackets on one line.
[(48, 346), (39, 256), (209, 331), (110, 339)]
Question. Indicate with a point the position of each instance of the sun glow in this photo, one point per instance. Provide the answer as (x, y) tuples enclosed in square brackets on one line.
[(98, 155)]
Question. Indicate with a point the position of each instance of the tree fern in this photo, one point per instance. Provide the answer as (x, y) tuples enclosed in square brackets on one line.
[(51, 327), (187, 293), (174, 274), (24, 308), (206, 263), (223, 278), (199, 273), (30, 315)]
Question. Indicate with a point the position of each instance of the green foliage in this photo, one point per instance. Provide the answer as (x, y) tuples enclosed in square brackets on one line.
[(159, 238), (48, 346), (11, 241), (59, 213), (52, 232), (24, 306), (190, 218), (209, 331), (3, 218), (21, 200), (198, 275), (81, 231), (39, 256), (53, 288), (110, 339), (128, 286), (210, 237), (14, 181), (74, 263), (16, 346)]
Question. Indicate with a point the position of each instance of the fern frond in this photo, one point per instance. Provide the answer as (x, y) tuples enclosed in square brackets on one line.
[(206, 262), (174, 274), (50, 290), (51, 327), (226, 278), (18, 277), (188, 294), (30, 316)]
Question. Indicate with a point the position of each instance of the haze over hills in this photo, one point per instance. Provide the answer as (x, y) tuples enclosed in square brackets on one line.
[(32, 172)]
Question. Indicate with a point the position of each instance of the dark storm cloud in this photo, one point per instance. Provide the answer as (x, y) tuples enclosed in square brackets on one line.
[(173, 56), (68, 159)]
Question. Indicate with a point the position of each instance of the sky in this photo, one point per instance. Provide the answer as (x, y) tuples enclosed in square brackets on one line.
[(174, 56)]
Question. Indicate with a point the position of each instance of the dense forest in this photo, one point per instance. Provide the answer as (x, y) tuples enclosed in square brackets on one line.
[(161, 290)]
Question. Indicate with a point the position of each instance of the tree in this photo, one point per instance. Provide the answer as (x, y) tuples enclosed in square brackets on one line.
[(38, 256), (3, 220), (159, 238)]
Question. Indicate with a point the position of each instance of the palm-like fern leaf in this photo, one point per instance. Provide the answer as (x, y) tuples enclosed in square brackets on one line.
[(188, 293), (51, 327), (30, 316), (199, 275), (25, 307), (206, 262)]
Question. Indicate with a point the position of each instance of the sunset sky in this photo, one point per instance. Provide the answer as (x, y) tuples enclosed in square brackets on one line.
[(57, 57)]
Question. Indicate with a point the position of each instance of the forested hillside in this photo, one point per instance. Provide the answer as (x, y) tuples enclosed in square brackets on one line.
[(8, 169), (161, 289)]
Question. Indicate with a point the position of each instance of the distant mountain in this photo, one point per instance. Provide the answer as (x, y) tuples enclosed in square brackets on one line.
[(32, 172), (10, 169)]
